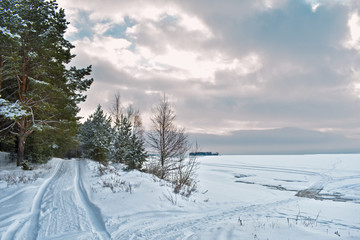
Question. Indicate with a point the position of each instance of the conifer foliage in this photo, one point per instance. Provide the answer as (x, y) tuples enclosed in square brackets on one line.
[(130, 150), (37, 92), (123, 134), (96, 136), (137, 154), (119, 144)]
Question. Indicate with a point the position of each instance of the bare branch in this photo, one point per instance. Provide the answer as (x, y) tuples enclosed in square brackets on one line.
[(10, 126), (116, 107)]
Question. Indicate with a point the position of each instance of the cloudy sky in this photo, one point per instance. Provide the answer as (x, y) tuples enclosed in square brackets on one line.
[(225, 65)]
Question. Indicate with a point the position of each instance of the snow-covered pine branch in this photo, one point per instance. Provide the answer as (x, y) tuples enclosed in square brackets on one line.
[(12, 111)]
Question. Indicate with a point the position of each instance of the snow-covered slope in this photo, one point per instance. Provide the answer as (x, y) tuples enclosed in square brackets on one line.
[(239, 197)]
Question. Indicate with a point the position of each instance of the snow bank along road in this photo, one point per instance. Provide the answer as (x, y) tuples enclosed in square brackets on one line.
[(239, 197), (59, 208)]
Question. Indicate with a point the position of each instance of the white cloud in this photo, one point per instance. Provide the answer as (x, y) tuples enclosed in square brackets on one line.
[(191, 64), (71, 30), (101, 28), (247, 65), (113, 51), (354, 28), (314, 7), (193, 23)]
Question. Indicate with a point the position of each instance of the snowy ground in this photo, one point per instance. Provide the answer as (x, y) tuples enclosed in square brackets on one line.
[(239, 197)]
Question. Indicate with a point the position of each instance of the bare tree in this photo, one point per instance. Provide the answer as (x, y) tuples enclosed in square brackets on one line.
[(171, 144), (184, 177), (132, 114), (116, 107), (165, 139)]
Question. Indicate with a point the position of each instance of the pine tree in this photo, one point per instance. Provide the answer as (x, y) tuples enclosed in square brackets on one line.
[(127, 146), (124, 135), (137, 149), (133, 145), (137, 154), (96, 136), (128, 141), (121, 139), (37, 92), (115, 150)]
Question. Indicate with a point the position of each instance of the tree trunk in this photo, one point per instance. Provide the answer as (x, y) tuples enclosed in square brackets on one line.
[(21, 143), (22, 123), (21, 151), (1, 71)]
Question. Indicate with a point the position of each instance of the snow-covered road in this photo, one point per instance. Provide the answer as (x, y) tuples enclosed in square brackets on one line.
[(59, 209)]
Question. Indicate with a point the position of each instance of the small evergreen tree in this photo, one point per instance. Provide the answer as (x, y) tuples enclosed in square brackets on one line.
[(128, 147), (96, 135), (115, 149), (137, 154), (128, 142), (124, 137)]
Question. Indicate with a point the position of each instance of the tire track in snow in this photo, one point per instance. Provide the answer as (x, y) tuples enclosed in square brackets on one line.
[(93, 212), (28, 226), (185, 225), (15, 194), (218, 225), (60, 209)]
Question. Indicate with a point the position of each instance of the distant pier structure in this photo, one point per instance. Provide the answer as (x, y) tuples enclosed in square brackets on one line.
[(203, 154)]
